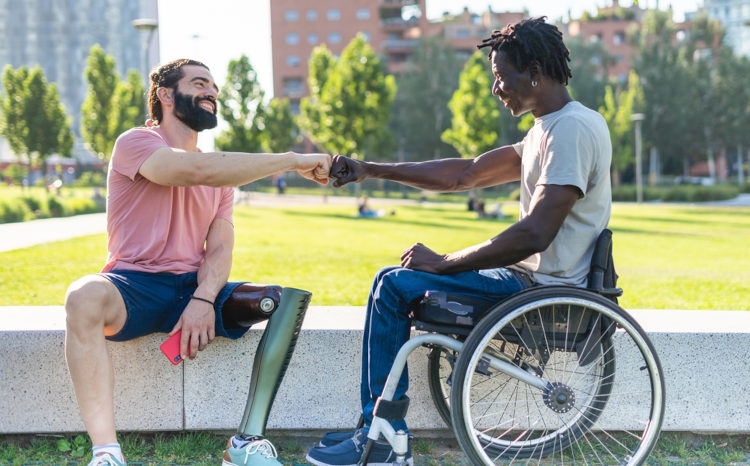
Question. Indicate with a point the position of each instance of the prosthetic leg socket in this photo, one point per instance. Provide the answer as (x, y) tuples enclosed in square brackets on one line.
[(272, 358)]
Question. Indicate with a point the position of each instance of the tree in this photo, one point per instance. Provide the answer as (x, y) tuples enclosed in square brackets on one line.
[(13, 125), (322, 62), (128, 106), (425, 87), (589, 65), (281, 131), (241, 107), (474, 127), (34, 120), (96, 110), (353, 105), (619, 106)]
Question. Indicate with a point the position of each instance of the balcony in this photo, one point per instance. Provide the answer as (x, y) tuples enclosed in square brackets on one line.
[(399, 23)]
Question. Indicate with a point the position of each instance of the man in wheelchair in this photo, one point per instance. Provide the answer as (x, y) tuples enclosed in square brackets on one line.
[(563, 165)]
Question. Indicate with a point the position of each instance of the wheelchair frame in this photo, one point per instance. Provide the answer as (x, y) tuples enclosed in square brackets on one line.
[(479, 354)]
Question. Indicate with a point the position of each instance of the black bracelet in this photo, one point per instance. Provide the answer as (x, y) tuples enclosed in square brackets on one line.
[(192, 296)]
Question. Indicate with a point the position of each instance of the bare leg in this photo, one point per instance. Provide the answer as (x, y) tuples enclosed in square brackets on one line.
[(93, 307)]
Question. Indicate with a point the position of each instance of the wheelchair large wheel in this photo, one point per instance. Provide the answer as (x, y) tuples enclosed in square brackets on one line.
[(567, 338), (440, 363)]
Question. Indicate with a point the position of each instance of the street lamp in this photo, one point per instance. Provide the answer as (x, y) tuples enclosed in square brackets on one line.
[(637, 118), (148, 25)]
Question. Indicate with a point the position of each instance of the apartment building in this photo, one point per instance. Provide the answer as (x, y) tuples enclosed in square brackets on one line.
[(392, 27), (609, 27), (734, 15)]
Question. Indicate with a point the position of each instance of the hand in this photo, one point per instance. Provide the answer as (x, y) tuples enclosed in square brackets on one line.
[(314, 167), (345, 170), (420, 257), (197, 324)]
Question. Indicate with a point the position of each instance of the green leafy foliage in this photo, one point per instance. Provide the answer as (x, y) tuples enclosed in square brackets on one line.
[(241, 107), (281, 132), (420, 113), (474, 126), (96, 111), (353, 103), (32, 118)]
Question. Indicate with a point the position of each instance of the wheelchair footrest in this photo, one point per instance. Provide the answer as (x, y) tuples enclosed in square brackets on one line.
[(391, 410)]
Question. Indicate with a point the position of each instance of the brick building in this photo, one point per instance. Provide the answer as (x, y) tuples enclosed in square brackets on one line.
[(392, 27)]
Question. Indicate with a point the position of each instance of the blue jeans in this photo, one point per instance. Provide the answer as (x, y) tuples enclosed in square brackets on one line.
[(388, 326)]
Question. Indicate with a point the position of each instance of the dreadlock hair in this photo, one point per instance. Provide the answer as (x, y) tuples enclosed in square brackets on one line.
[(167, 76), (532, 40)]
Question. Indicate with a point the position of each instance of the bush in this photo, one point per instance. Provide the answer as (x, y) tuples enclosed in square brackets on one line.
[(55, 207), (14, 210), (80, 205), (701, 193), (627, 193), (90, 179)]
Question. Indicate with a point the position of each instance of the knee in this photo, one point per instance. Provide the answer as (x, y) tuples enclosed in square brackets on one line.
[(85, 300)]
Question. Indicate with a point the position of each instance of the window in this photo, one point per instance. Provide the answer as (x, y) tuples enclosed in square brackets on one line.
[(292, 38), (334, 14), (292, 86), (311, 15), (312, 38), (291, 15), (293, 60), (366, 35), (619, 38), (334, 38), (463, 33), (363, 13)]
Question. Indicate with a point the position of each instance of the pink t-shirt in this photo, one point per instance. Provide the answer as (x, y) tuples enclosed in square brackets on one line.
[(151, 227)]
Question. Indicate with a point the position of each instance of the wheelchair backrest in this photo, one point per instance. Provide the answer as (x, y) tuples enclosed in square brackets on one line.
[(602, 275)]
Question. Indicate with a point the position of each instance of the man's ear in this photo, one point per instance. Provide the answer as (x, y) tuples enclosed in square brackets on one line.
[(165, 95), (535, 71)]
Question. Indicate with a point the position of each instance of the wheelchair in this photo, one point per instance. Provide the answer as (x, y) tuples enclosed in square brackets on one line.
[(535, 377)]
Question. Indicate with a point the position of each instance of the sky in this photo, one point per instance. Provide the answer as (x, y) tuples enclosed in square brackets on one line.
[(218, 31)]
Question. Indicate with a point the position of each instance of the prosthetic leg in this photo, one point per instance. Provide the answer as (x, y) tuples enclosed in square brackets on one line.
[(286, 307)]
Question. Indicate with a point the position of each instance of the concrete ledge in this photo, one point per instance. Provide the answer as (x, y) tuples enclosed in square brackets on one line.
[(704, 355)]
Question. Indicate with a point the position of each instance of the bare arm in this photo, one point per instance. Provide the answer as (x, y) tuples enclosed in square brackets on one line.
[(175, 167), (549, 207), (495, 167), (198, 319)]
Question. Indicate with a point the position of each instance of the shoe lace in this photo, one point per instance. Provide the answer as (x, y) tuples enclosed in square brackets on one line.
[(262, 447)]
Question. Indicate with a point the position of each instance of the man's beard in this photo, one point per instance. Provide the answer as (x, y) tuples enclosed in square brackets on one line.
[(186, 109)]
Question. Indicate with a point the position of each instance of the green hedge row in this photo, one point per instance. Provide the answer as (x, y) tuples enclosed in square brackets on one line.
[(680, 193), (24, 208)]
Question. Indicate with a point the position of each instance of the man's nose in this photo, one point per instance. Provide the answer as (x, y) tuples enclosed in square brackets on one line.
[(496, 87)]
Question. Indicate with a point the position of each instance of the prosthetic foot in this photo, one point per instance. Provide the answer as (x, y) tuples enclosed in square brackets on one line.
[(272, 358)]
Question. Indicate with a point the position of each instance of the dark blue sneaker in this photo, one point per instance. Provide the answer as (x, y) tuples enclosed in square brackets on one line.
[(349, 452), (334, 438)]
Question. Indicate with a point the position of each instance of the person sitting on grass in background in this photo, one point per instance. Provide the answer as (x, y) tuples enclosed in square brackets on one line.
[(170, 240), (563, 164)]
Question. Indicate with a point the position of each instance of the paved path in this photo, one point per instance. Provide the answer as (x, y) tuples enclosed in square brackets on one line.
[(25, 234)]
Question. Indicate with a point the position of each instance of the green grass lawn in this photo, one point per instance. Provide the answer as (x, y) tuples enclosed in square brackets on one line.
[(672, 257)]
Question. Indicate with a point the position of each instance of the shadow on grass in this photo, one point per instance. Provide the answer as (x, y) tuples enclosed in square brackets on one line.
[(354, 218)]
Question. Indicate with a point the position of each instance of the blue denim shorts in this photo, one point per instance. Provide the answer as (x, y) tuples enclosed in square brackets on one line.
[(155, 301)]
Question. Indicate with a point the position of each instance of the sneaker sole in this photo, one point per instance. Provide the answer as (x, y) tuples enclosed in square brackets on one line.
[(409, 462)]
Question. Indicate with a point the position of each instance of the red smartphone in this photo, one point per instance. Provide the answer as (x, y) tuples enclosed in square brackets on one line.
[(171, 348)]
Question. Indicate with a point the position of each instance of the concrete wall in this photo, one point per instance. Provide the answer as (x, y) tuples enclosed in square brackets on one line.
[(704, 355)]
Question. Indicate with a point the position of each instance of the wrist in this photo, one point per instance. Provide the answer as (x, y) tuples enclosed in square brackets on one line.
[(198, 298)]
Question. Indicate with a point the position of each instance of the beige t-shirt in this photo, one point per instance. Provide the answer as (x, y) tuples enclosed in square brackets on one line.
[(568, 147)]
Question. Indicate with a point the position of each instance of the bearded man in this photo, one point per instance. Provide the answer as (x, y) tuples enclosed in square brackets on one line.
[(170, 240)]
